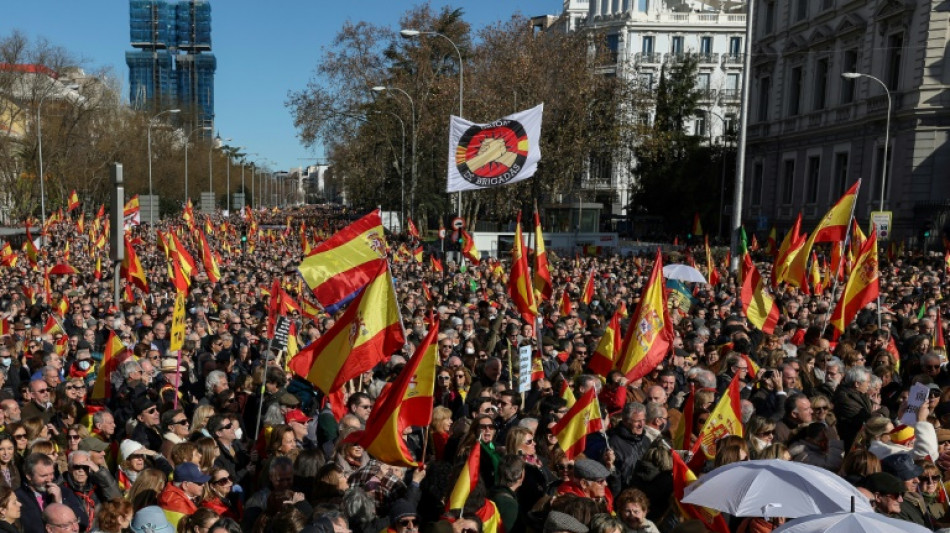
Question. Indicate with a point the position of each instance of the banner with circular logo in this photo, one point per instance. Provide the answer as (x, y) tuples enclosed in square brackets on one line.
[(499, 153)]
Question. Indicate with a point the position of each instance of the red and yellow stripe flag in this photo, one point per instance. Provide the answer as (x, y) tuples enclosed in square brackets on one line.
[(861, 288), (833, 227), (757, 304), (112, 356), (542, 272), (697, 226), (587, 293), (407, 402), (519, 285), (466, 481), (131, 268), (566, 307), (207, 257), (582, 419), (682, 478), (73, 201), (368, 332), (469, 250), (5, 328), (725, 419), (771, 244), (650, 333), (781, 255), (939, 344), (347, 262), (605, 356), (436, 264), (52, 326), (711, 265)]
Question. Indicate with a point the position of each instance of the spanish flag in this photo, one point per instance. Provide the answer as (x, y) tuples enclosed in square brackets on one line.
[(771, 245), (73, 201), (650, 333), (5, 327), (861, 288), (725, 419), (466, 481), (207, 257), (413, 230), (792, 268), (188, 263), (582, 419), (519, 285), (417, 254), (682, 478), (587, 293), (468, 248), (113, 355), (188, 214), (697, 226), (131, 268), (542, 272), (605, 356), (52, 326), (833, 227), (436, 264), (711, 265), (939, 344), (757, 304), (781, 255), (368, 332), (347, 262), (565, 308), (407, 402)]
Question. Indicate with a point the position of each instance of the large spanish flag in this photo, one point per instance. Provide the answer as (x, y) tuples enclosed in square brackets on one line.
[(682, 478), (605, 355), (757, 304), (73, 201), (368, 332), (781, 255), (582, 419), (833, 227), (112, 356), (861, 288), (466, 481), (650, 333), (469, 250), (131, 268), (542, 272), (519, 285), (346, 262), (407, 402), (207, 257), (587, 293), (725, 419)]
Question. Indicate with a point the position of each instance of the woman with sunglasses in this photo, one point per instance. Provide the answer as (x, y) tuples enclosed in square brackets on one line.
[(218, 495), (20, 438), (9, 471)]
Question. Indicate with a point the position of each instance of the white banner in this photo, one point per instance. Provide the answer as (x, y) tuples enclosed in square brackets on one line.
[(489, 155)]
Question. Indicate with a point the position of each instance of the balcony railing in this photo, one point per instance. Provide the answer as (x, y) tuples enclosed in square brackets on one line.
[(708, 57), (648, 57), (729, 94), (733, 59)]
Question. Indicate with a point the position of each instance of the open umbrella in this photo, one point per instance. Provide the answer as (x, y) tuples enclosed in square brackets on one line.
[(850, 523), (683, 273), (62, 269), (773, 487)]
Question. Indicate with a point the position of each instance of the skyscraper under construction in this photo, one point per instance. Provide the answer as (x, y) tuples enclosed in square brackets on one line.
[(172, 64)]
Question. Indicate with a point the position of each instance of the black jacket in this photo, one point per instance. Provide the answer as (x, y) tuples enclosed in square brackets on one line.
[(31, 517), (629, 448)]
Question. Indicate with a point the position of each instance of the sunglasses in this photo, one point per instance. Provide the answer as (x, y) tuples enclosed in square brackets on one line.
[(136, 456), (486, 426), (459, 376), (564, 468), (445, 378), (820, 408), (20, 436), (223, 481), (407, 522), (179, 422), (929, 479), (75, 437), (84, 468), (75, 387)]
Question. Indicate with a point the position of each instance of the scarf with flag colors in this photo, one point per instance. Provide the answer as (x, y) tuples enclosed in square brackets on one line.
[(346, 262), (650, 333), (407, 402), (367, 333), (582, 419)]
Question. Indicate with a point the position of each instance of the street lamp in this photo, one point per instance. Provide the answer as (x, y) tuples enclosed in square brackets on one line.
[(39, 140), (202, 128), (412, 107), (230, 151), (219, 141), (887, 126), (413, 34), (722, 179), (151, 197)]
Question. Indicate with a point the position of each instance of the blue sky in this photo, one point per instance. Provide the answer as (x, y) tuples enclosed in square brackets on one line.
[(264, 50)]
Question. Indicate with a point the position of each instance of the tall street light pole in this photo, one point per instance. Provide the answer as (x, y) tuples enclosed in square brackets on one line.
[(39, 141), (151, 196), (203, 128), (722, 179), (217, 140), (230, 151), (887, 127), (412, 34), (412, 108)]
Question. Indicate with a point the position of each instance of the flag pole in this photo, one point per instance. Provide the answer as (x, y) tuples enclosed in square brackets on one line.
[(847, 240)]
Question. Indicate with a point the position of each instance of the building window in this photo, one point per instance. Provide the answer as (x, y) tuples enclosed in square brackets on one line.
[(613, 45), (821, 82), (730, 124), (758, 171), (765, 90), (801, 10), (849, 63), (814, 173), (676, 47), (643, 5), (702, 83), (705, 45), (648, 44), (895, 45), (794, 91), (735, 46), (769, 17), (700, 124), (788, 181), (841, 174)]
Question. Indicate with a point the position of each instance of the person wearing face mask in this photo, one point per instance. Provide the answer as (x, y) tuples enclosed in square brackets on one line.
[(656, 422), (14, 372), (226, 431), (83, 367), (179, 498)]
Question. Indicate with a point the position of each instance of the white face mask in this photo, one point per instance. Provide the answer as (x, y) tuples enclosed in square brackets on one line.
[(238, 434), (469, 351)]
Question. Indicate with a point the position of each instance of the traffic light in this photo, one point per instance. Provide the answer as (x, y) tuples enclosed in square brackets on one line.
[(928, 229)]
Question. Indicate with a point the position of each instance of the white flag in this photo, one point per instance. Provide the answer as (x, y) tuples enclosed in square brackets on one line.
[(499, 153)]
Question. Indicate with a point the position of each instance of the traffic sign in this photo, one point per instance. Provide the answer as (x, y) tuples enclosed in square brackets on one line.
[(881, 223), (458, 223)]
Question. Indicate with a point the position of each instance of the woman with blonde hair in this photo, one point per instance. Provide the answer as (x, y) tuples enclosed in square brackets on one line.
[(760, 432), (35, 429), (208, 448), (520, 441), (439, 430), (148, 485), (199, 420), (730, 449)]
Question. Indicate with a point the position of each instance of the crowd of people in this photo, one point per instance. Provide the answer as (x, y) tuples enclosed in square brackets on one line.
[(221, 438)]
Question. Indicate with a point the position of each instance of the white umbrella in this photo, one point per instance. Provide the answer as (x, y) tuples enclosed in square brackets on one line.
[(773, 487), (850, 523), (683, 273)]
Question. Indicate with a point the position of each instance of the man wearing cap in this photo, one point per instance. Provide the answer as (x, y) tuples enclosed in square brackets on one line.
[(888, 493), (403, 517), (178, 497), (146, 430), (558, 522), (590, 481), (912, 507)]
